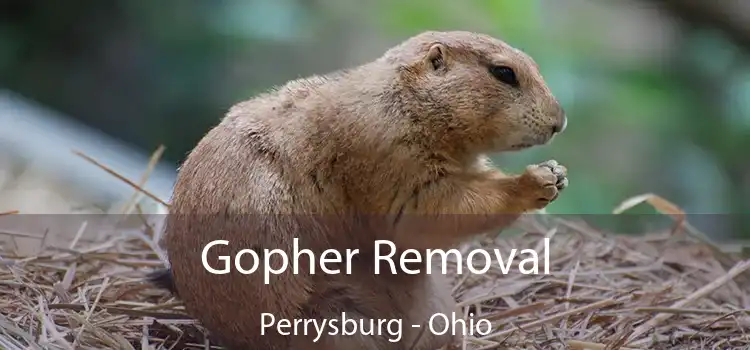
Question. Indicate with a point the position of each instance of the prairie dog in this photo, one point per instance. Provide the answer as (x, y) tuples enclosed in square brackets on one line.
[(395, 149)]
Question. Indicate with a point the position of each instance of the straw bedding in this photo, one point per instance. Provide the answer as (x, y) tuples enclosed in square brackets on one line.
[(658, 291), (662, 290)]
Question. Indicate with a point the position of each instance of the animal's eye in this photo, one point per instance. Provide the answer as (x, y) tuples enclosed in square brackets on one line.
[(504, 74)]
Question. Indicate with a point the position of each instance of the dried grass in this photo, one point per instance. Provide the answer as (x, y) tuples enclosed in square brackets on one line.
[(670, 290)]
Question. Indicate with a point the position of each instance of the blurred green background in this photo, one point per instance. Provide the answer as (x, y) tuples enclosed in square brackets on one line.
[(657, 92)]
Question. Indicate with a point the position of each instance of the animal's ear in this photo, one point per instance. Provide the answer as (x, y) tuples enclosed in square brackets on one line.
[(436, 57)]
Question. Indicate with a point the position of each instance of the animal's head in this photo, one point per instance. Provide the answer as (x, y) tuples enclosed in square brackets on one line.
[(478, 90)]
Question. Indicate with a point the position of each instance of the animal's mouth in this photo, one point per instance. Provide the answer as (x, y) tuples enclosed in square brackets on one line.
[(519, 146), (532, 141)]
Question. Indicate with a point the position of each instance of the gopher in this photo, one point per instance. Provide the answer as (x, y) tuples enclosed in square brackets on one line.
[(395, 149)]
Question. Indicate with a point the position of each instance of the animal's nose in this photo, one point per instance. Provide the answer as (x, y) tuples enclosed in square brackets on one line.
[(561, 125)]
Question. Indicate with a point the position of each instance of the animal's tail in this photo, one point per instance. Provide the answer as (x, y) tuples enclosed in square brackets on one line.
[(162, 278)]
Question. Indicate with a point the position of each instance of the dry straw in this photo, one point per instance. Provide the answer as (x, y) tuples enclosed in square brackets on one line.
[(662, 290)]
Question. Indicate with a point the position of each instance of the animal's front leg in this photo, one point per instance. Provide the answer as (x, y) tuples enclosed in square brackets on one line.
[(446, 212)]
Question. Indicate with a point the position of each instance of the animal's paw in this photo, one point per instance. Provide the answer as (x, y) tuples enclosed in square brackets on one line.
[(542, 183)]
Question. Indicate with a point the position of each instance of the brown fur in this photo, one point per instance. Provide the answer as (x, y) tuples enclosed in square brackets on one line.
[(393, 149)]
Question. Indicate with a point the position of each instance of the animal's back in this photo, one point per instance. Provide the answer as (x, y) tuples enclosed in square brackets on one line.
[(226, 190), (248, 181)]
